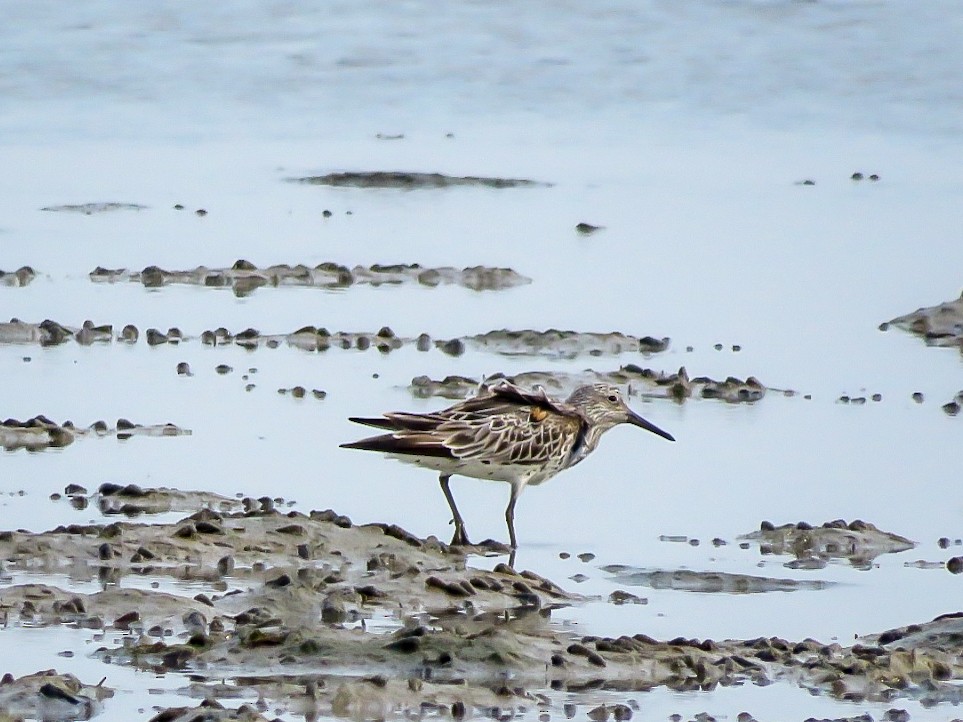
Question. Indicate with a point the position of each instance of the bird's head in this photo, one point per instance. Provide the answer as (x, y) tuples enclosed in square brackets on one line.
[(604, 407)]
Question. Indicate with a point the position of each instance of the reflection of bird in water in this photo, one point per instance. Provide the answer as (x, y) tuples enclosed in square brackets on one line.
[(504, 434)]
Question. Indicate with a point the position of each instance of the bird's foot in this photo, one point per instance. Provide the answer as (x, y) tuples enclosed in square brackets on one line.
[(460, 537)]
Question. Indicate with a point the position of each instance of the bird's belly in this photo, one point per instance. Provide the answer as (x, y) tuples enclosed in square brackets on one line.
[(474, 469)]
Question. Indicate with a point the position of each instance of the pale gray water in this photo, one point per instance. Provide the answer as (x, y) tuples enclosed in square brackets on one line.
[(682, 128)]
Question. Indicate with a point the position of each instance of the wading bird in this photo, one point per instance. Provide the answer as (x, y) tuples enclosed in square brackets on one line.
[(505, 433)]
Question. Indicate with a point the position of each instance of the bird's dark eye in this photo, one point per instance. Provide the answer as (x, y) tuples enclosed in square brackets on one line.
[(613, 398)]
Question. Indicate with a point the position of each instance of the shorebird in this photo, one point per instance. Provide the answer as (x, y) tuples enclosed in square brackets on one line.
[(504, 433)]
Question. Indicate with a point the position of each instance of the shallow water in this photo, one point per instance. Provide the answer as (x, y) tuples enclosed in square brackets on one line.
[(689, 155)]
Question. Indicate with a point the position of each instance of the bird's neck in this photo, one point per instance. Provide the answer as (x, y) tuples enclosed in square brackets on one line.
[(587, 440)]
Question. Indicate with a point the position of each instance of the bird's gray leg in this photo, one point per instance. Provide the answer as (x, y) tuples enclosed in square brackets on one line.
[(510, 515), (459, 537)]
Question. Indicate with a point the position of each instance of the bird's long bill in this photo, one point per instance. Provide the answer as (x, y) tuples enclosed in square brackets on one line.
[(637, 420)]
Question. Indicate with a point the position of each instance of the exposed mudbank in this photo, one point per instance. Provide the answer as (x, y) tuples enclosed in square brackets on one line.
[(21, 277), (858, 542), (412, 181), (42, 433), (527, 342), (634, 379), (90, 208), (322, 617), (50, 696), (552, 342), (707, 582), (133, 500), (51, 333), (940, 325), (244, 277)]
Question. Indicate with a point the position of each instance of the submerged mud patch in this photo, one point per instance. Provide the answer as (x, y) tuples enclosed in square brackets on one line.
[(631, 377), (940, 325), (412, 181), (88, 209), (244, 277), (707, 582), (323, 617), (21, 277), (857, 542), (41, 433), (210, 710)]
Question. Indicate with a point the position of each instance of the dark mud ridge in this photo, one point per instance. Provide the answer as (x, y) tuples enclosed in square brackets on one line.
[(322, 617), (412, 181), (132, 500), (858, 542), (244, 277), (552, 343), (42, 433), (21, 277), (634, 379), (90, 208), (940, 325), (813, 547)]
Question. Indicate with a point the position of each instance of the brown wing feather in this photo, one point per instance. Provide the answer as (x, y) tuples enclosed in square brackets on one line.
[(510, 433), (413, 444), (503, 425)]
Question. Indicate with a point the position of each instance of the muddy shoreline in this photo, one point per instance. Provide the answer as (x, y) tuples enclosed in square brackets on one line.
[(312, 612)]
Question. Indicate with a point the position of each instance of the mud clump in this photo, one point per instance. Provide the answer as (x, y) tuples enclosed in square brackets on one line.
[(41, 433), (243, 278), (52, 333), (132, 500), (21, 277), (940, 325), (36, 433), (50, 695), (857, 542), (300, 392), (451, 387), (210, 710), (412, 181), (952, 407), (587, 229)]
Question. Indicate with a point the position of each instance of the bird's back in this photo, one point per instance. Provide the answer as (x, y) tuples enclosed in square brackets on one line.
[(505, 433)]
